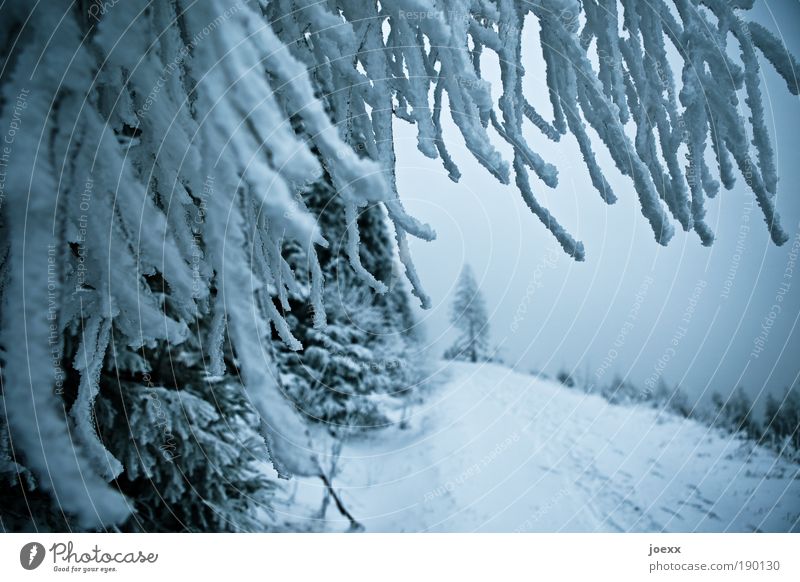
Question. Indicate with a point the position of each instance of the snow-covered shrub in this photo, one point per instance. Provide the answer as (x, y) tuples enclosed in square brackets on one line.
[(623, 391), (566, 378), (734, 413), (672, 399)]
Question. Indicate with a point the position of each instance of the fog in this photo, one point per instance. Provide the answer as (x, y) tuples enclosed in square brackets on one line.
[(708, 319)]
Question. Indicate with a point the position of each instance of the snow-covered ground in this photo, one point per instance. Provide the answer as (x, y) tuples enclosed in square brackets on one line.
[(494, 450)]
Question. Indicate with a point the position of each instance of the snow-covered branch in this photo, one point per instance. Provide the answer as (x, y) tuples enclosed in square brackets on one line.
[(161, 149)]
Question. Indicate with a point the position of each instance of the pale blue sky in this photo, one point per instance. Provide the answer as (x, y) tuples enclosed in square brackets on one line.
[(550, 312)]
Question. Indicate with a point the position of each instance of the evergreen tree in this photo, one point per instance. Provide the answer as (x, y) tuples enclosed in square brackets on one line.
[(468, 314), (192, 454), (621, 391), (367, 354)]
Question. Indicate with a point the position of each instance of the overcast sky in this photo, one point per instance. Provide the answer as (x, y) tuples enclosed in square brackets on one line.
[(684, 313)]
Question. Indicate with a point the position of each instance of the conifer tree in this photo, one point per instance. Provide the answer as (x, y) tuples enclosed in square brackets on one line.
[(468, 314)]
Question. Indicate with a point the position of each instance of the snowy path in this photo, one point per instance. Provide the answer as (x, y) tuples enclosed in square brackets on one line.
[(493, 450)]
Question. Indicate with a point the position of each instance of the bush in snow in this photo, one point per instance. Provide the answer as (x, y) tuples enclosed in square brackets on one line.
[(674, 400), (622, 391), (566, 379), (734, 413)]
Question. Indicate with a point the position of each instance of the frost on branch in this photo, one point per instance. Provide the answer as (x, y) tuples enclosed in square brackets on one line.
[(163, 145), (608, 69)]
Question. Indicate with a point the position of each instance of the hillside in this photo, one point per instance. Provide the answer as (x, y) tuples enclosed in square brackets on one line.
[(494, 450)]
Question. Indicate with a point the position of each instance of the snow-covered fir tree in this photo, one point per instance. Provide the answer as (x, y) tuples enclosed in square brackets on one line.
[(151, 189), (469, 316), (368, 351), (192, 455)]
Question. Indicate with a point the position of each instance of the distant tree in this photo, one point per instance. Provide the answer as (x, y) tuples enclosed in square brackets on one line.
[(782, 421), (717, 406), (469, 315), (660, 397), (771, 420), (621, 391), (679, 403), (672, 399), (735, 413), (566, 378)]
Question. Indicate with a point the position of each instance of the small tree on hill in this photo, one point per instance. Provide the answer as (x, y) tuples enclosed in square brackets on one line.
[(468, 314)]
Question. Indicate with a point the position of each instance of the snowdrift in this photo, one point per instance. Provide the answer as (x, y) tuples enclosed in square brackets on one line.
[(496, 450)]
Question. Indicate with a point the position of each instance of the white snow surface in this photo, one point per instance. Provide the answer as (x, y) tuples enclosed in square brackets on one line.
[(495, 450)]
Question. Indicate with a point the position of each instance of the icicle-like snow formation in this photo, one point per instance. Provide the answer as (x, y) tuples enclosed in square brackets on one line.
[(160, 149), (608, 68)]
